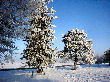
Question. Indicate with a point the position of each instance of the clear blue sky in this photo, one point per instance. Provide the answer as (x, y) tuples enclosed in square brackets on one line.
[(91, 15)]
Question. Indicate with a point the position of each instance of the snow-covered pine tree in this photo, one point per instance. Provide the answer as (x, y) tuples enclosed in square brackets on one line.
[(40, 37), (77, 46), (107, 56)]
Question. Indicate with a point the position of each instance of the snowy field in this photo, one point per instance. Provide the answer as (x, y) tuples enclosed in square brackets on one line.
[(95, 73)]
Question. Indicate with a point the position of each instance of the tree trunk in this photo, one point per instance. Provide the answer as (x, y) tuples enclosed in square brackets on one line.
[(75, 65), (75, 62), (40, 70)]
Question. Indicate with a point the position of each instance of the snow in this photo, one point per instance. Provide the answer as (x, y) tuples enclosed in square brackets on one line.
[(95, 73), (11, 65)]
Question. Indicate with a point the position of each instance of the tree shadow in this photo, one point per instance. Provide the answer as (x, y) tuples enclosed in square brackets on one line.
[(19, 76), (65, 67), (83, 66), (96, 66)]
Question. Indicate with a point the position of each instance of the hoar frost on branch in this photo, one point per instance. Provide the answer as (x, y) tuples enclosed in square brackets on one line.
[(77, 46), (39, 52), (14, 16)]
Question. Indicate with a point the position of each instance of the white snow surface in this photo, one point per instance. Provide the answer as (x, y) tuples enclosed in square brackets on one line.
[(11, 65), (95, 73)]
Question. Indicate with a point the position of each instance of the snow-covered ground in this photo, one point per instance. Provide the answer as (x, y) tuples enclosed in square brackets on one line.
[(95, 73), (11, 65)]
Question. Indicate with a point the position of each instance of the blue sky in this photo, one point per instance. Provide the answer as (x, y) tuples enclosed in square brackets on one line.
[(91, 15)]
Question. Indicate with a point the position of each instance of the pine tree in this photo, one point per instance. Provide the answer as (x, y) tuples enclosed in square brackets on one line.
[(107, 56), (77, 46), (39, 52)]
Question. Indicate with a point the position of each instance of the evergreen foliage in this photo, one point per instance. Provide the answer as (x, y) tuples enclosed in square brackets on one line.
[(76, 46), (39, 52), (107, 56)]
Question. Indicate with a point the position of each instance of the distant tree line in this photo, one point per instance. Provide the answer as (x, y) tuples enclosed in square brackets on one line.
[(105, 58)]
